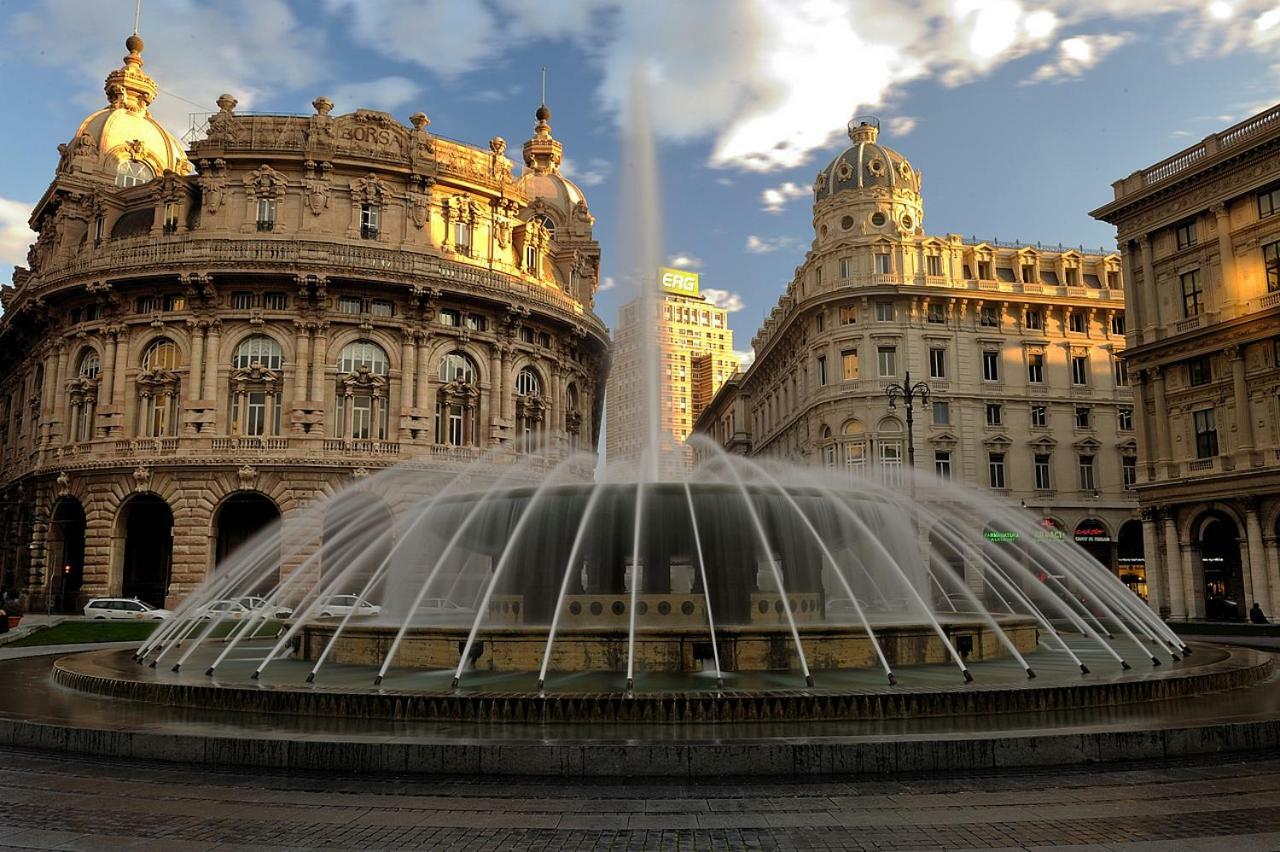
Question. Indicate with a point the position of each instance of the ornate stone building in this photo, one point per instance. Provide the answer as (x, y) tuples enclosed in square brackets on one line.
[(1200, 238), (207, 339), (1020, 346)]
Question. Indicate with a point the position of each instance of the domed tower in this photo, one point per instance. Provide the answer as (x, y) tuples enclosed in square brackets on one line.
[(557, 219), (867, 190)]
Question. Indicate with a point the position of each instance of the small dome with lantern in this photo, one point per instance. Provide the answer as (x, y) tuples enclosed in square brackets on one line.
[(124, 141), (542, 182), (866, 164)]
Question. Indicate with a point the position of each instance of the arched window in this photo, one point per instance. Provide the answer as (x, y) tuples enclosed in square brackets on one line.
[(545, 221), (83, 398), (889, 449), (133, 173), (828, 449), (258, 349), (458, 408), (854, 442), (255, 386), (158, 390), (90, 365), (572, 417), (530, 410), (362, 391)]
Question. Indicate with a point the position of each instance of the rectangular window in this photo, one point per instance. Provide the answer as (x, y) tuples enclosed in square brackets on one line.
[(1034, 319), (526, 336), (462, 237), (822, 370), (848, 314), (884, 311), (846, 267), (1206, 434), (819, 322), (941, 413), (993, 414), (1113, 279), (990, 317), (242, 301), (1039, 415), (544, 340), (475, 322), (148, 304), (937, 313), (884, 264), (984, 270), (175, 302), (991, 366), (266, 215), (275, 301), (531, 264), (1073, 276), (995, 469), (370, 221), (887, 360), (1129, 469), (1035, 368), (1028, 273), (1124, 419), (1192, 296), (99, 229), (171, 218), (1268, 202), (1271, 258), (937, 363), (933, 267), (380, 308), (1199, 371), (1043, 482), (1121, 371), (1076, 322), (450, 316), (1082, 416), (1117, 325), (1186, 234), (350, 305), (1079, 369), (1087, 480), (849, 364), (942, 463)]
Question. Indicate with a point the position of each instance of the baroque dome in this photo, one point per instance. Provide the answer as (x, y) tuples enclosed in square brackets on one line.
[(542, 180), (125, 132), (866, 164)]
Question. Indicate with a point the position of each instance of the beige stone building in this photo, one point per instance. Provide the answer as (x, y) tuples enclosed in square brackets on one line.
[(1020, 346), (1200, 238), (696, 357), (209, 338)]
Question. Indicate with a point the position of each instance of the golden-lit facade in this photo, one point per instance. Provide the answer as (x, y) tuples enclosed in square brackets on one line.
[(695, 358), (1200, 236), (1020, 345), (209, 338)]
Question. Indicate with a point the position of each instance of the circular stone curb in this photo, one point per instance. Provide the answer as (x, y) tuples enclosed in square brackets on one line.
[(94, 673)]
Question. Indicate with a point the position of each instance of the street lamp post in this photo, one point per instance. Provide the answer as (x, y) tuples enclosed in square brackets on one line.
[(909, 393)]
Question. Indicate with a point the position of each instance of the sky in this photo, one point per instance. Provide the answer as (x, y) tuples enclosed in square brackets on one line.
[(1018, 113)]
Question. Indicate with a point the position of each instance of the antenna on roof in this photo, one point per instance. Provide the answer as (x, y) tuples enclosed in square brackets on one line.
[(544, 82), (137, 15)]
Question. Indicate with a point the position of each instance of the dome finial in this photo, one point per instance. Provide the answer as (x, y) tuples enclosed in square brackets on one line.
[(864, 128), (543, 153)]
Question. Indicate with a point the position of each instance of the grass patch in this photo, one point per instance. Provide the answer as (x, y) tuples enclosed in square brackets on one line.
[(83, 632)]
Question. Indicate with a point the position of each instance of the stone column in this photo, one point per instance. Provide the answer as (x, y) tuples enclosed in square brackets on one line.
[(301, 356), (506, 392), (319, 349), (108, 377), (1273, 574), (124, 406), (1164, 451), (495, 390), (59, 390), (1256, 582), (1240, 388), (1193, 579), (1157, 579), (197, 358), (349, 413), (426, 398), (213, 342), (1226, 255), (1142, 433), (1148, 297), (73, 431), (408, 373), (1173, 567), (48, 393)]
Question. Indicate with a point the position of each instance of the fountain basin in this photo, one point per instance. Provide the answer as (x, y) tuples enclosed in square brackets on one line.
[(678, 648)]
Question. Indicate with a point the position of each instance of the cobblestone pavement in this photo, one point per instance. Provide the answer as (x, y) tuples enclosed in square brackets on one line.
[(66, 802)]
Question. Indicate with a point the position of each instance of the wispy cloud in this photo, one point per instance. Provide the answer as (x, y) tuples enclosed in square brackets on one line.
[(764, 245), (386, 94), (1077, 55), (746, 357), (594, 173), (684, 260), (723, 299), (775, 198), (608, 283), (15, 236), (901, 125)]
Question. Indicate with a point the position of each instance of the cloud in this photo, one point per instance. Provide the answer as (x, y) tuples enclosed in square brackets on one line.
[(901, 125), (15, 236), (593, 174), (684, 260), (608, 283), (764, 245), (386, 94), (746, 357), (723, 299), (195, 51), (447, 38), (1077, 55), (775, 198)]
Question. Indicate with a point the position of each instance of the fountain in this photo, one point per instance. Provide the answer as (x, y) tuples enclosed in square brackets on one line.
[(645, 602)]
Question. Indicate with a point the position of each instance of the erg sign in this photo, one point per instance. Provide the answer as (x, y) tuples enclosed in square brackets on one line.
[(678, 281)]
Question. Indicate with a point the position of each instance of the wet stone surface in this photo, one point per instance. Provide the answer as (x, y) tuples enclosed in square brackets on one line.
[(58, 802)]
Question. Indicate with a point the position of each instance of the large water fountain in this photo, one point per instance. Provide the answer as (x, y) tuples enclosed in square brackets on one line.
[(767, 600)]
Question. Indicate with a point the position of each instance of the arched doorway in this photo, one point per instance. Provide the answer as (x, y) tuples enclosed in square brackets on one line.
[(1223, 580), (1093, 536), (66, 555), (145, 529), (1131, 559), (239, 518)]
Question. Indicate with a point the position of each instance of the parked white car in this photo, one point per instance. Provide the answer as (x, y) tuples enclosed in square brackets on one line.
[(226, 610), (443, 605), (340, 605), (255, 603), (130, 609)]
